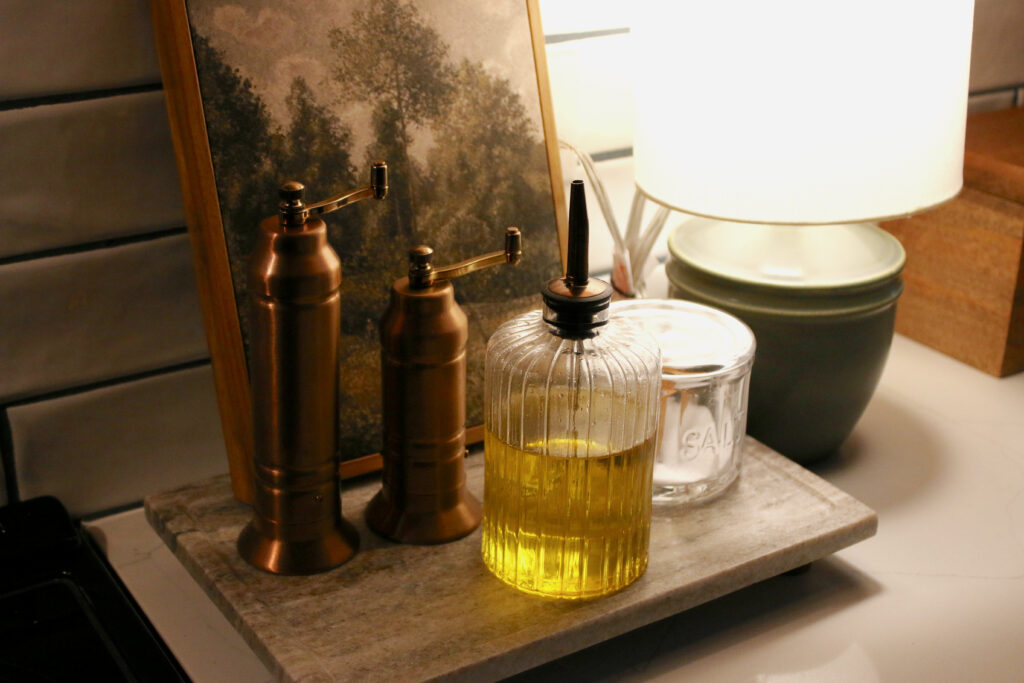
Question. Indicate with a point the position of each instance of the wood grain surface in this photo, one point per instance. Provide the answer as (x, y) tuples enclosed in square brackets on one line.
[(964, 278)]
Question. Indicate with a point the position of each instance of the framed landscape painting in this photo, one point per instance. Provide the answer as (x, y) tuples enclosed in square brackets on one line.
[(452, 94)]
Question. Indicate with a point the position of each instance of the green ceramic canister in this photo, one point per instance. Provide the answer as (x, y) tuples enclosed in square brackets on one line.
[(821, 301)]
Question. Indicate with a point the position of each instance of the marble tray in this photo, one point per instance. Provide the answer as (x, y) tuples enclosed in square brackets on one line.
[(405, 613)]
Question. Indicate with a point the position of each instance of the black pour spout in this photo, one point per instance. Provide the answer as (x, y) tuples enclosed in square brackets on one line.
[(577, 271), (577, 303)]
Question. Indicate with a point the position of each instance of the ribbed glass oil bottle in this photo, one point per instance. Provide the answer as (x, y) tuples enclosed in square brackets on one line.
[(571, 419)]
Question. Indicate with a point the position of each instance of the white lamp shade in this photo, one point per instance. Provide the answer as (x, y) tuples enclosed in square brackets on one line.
[(801, 111)]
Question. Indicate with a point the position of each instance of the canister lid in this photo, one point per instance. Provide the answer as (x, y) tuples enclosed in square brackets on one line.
[(788, 256), (694, 339)]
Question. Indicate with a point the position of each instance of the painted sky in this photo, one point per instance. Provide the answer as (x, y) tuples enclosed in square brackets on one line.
[(273, 41)]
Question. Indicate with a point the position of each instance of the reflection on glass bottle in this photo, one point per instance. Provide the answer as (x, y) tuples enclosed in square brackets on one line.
[(571, 420)]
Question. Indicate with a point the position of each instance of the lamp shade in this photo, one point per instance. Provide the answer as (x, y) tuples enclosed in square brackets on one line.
[(801, 111)]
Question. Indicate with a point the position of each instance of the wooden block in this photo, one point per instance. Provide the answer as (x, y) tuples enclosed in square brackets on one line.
[(964, 291), (994, 154), (964, 279)]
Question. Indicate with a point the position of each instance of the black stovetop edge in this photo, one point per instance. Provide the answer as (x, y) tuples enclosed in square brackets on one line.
[(46, 553)]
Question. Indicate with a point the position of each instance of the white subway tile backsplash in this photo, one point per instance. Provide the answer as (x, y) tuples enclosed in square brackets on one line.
[(96, 315), (55, 46), (991, 101), (84, 171), (591, 92), (112, 446), (997, 50)]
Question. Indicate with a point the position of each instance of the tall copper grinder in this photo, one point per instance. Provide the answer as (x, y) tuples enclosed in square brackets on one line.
[(294, 283), (423, 497)]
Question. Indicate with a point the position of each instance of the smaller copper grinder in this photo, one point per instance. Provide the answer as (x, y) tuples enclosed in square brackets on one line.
[(423, 497), (294, 284)]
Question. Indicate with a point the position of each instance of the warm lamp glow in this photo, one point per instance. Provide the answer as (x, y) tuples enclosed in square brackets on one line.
[(801, 111)]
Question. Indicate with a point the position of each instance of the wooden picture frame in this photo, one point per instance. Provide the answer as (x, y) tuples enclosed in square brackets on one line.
[(209, 78)]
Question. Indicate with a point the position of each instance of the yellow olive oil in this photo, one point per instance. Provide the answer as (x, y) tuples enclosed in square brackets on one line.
[(572, 523)]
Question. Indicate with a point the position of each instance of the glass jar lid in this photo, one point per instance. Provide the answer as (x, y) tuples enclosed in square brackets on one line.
[(695, 340), (788, 256)]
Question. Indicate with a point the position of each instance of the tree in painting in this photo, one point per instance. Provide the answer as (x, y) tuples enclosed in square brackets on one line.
[(389, 58), (486, 172), (317, 144)]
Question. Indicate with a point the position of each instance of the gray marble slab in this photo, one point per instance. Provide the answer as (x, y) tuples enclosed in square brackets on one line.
[(405, 613)]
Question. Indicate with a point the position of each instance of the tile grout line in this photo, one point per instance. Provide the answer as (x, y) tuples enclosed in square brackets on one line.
[(92, 246), (552, 38), (610, 154), (996, 91), (92, 386), (106, 512), (85, 95)]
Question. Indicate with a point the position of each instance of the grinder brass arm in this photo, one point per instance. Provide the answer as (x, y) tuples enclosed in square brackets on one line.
[(294, 212), (423, 274), (378, 189)]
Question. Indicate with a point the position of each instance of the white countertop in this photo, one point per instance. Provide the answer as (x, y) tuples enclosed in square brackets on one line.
[(937, 595)]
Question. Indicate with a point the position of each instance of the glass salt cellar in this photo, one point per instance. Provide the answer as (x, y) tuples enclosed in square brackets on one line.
[(706, 359)]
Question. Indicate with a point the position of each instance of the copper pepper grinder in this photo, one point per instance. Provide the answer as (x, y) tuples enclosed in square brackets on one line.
[(294, 283), (423, 498)]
